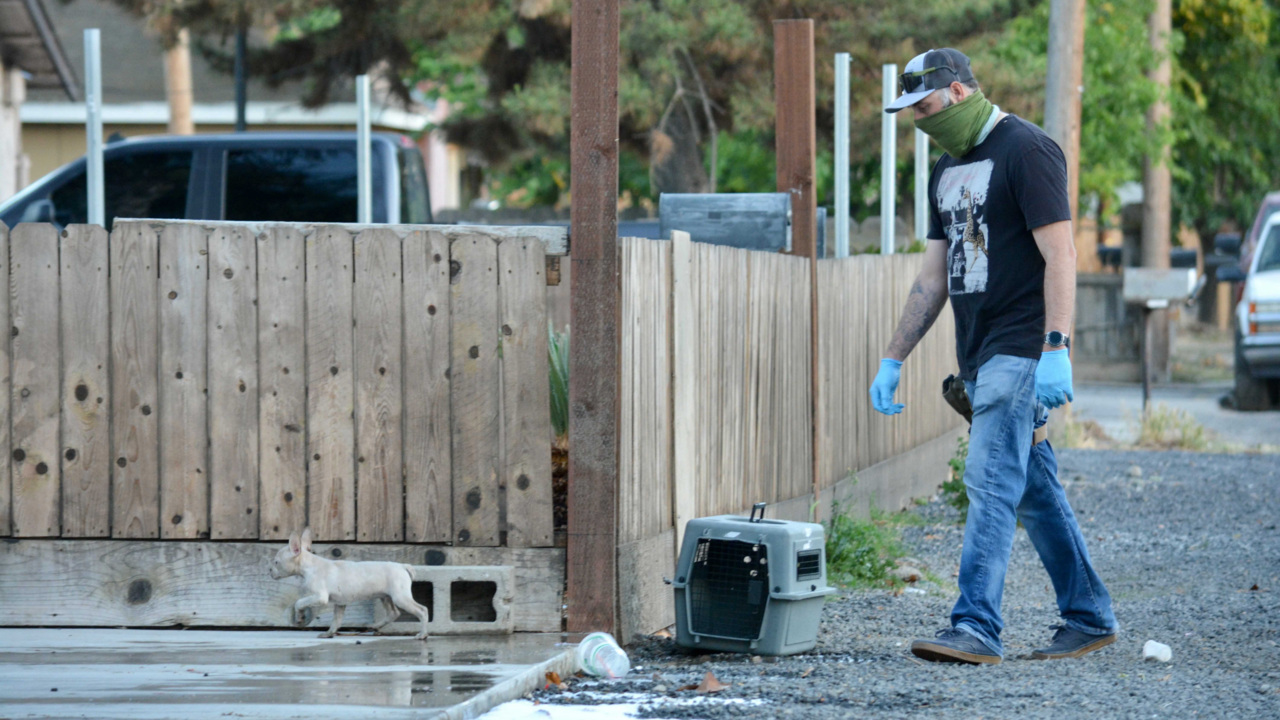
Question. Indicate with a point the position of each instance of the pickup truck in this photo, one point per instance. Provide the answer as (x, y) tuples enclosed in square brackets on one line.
[(1257, 337), (258, 176)]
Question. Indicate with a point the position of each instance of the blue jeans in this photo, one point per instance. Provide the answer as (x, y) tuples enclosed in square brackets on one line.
[(1009, 480)]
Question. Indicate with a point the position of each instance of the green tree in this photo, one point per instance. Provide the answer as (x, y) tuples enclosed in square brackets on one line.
[(1117, 91), (691, 73), (1227, 81)]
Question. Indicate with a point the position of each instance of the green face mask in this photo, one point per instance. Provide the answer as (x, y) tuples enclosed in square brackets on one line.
[(957, 128)]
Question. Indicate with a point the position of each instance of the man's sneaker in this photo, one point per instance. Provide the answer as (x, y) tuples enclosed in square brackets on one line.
[(954, 645), (1068, 643)]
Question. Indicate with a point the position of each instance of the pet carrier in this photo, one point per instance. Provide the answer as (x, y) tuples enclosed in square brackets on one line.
[(750, 584)]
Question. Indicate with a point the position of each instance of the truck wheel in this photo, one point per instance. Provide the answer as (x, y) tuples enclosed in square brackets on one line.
[(1250, 392)]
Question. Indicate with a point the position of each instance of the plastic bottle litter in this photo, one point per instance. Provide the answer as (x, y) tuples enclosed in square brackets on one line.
[(599, 655)]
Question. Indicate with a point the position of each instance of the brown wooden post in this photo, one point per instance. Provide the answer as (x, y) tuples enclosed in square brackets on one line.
[(797, 132), (796, 128), (593, 353)]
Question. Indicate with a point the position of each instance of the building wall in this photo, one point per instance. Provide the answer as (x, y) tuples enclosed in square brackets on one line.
[(444, 163), (13, 163)]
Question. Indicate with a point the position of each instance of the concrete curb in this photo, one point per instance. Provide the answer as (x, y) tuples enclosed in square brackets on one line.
[(512, 688)]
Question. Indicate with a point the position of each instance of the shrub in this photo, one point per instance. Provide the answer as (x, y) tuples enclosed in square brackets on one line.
[(860, 553)]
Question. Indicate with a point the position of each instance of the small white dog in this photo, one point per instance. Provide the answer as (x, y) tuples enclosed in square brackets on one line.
[(340, 583)]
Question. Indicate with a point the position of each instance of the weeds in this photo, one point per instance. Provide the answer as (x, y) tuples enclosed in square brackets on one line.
[(1066, 431), (1166, 428), (860, 553), (953, 489), (897, 519), (558, 361)]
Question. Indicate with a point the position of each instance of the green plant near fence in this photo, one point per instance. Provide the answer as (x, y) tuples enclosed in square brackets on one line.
[(861, 553), (953, 489), (558, 364)]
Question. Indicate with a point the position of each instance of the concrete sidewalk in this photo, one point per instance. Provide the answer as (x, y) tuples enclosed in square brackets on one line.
[(191, 674)]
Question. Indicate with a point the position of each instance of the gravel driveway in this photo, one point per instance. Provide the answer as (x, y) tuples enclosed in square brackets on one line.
[(1187, 544)]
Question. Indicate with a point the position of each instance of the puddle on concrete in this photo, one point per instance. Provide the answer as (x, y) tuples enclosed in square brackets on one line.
[(214, 672)]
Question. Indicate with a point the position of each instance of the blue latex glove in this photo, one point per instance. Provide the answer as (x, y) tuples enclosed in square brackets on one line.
[(1053, 378), (885, 385)]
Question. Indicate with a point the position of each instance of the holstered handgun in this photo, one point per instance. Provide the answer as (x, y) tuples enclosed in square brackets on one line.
[(954, 393), (958, 398)]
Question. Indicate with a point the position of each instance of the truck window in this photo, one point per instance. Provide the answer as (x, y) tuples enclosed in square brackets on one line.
[(137, 185), (1270, 257), (292, 184)]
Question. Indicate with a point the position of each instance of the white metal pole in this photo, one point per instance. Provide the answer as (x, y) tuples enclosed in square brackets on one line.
[(842, 155), (888, 161), (93, 125), (364, 177), (922, 185)]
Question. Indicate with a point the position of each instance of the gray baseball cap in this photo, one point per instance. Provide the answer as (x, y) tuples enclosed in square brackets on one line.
[(929, 71)]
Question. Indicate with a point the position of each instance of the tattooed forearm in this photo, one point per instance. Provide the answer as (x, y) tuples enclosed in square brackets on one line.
[(923, 306)]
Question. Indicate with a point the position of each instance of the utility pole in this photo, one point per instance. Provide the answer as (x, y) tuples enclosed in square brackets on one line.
[(1157, 182), (1063, 88)]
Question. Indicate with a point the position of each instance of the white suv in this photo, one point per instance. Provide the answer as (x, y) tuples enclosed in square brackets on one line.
[(1257, 362)]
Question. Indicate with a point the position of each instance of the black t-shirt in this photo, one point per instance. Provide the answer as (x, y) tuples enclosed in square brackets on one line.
[(984, 206)]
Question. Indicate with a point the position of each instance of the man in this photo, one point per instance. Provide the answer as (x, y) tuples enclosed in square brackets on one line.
[(1001, 247)]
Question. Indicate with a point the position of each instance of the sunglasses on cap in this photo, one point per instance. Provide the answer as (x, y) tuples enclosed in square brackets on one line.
[(910, 82)]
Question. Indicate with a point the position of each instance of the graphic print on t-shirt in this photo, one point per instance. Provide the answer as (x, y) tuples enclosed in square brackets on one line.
[(962, 206)]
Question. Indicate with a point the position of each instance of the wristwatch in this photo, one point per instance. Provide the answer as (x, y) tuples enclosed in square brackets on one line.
[(1055, 339)]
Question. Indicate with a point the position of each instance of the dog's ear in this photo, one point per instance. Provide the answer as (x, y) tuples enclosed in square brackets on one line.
[(306, 539), (295, 545)]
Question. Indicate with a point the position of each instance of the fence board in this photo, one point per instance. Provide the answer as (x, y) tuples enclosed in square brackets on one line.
[(86, 347), (526, 395), (6, 469), (282, 407), (428, 477), (135, 487), (800, 442), (630, 288), (474, 393), (33, 257), (378, 368), (184, 432), (331, 390), (684, 319), (233, 385), (645, 444)]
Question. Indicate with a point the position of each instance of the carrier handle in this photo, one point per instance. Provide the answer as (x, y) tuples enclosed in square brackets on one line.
[(758, 506)]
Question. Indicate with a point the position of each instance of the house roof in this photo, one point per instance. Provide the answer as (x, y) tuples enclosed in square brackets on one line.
[(133, 59), (29, 41), (133, 82)]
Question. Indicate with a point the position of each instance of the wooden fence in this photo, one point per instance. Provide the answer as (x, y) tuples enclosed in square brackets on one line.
[(237, 382), (717, 401), (860, 300)]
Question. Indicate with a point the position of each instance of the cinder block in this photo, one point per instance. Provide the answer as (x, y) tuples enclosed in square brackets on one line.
[(463, 600)]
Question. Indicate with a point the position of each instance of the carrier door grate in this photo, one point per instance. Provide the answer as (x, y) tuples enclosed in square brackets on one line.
[(728, 588)]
